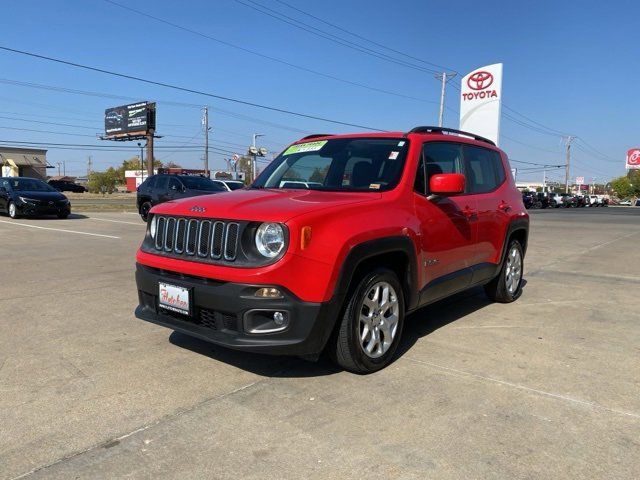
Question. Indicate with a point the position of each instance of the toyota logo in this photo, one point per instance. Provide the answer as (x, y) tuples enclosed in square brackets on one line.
[(50, 203), (197, 208), (480, 80)]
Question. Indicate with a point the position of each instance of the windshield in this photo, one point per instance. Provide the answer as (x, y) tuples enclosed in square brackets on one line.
[(30, 185), (201, 183), (235, 185), (344, 164)]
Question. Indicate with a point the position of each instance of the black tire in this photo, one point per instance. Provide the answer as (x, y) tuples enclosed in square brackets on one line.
[(497, 289), (63, 215), (144, 210), (13, 215), (345, 347)]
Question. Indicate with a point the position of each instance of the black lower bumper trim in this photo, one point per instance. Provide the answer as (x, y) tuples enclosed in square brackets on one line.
[(219, 309)]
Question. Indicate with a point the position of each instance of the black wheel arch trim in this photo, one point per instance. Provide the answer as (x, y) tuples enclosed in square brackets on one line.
[(518, 224), (374, 248)]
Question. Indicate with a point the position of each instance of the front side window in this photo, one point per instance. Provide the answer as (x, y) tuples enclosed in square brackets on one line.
[(436, 158), (341, 164)]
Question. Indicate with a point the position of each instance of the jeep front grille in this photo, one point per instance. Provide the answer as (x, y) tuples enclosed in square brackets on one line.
[(194, 237)]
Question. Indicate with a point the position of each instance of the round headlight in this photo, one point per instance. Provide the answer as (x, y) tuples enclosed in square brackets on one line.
[(270, 239), (153, 226)]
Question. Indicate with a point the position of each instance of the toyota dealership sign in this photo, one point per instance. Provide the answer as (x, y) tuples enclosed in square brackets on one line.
[(633, 159), (481, 100)]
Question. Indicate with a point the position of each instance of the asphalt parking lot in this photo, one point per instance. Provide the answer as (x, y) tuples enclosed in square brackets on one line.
[(547, 387)]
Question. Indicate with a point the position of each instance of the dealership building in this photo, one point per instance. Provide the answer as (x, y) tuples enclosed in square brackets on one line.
[(23, 162)]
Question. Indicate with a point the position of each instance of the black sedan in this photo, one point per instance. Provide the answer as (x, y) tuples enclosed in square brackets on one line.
[(30, 196)]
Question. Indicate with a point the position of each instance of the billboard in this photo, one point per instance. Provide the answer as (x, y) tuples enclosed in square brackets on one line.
[(633, 159), (130, 120), (481, 101)]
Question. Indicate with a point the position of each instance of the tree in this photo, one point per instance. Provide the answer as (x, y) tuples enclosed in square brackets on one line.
[(103, 182), (627, 186)]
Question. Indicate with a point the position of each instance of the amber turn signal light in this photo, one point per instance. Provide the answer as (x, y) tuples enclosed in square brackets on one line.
[(305, 237)]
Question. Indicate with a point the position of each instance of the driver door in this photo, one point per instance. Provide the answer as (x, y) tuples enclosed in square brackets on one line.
[(448, 227)]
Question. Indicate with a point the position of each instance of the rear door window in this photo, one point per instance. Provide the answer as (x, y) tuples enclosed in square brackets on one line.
[(483, 169), (162, 183)]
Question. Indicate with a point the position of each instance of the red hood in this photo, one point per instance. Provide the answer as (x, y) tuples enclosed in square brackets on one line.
[(269, 205)]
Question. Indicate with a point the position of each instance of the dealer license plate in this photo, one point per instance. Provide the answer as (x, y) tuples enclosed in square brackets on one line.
[(174, 298)]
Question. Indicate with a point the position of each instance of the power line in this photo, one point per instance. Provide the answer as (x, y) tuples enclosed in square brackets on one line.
[(268, 57), (163, 102), (185, 89), (329, 36), (349, 32)]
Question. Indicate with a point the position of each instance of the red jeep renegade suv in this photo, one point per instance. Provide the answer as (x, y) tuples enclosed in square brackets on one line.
[(335, 242)]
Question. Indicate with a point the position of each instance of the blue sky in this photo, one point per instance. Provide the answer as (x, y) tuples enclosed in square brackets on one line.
[(570, 66)]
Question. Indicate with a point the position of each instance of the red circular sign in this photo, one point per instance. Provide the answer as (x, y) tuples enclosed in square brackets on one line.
[(480, 80)]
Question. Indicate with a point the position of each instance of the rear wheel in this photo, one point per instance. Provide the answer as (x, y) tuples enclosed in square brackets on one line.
[(369, 332), (12, 210), (144, 210), (507, 286)]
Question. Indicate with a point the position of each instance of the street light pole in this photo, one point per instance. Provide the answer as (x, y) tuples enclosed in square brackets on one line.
[(141, 162), (255, 155)]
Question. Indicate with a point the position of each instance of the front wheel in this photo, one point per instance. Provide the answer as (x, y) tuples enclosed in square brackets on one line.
[(507, 286), (144, 210), (13, 211), (370, 329)]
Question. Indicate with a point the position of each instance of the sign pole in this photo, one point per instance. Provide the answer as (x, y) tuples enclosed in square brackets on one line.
[(567, 164), (150, 153)]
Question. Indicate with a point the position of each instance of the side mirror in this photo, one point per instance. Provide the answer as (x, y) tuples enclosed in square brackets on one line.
[(446, 184)]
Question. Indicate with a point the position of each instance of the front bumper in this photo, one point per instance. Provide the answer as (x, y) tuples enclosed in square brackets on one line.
[(35, 210), (222, 313)]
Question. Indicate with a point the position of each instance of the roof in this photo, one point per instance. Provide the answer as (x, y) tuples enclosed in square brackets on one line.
[(23, 156), (439, 132)]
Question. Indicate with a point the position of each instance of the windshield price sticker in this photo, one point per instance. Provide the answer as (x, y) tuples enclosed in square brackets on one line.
[(305, 147)]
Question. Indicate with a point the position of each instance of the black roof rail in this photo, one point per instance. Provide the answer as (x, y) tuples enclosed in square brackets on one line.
[(427, 129), (317, 135)]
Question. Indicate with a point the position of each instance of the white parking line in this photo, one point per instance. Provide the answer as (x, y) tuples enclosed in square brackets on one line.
[(115, 221), (59, 229)]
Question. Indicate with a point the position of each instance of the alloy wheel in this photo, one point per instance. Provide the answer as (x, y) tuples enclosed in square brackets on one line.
[(379, 315), (513, 273)]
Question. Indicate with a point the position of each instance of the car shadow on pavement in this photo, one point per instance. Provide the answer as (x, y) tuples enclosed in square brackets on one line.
[(417, 325), (259, 364)]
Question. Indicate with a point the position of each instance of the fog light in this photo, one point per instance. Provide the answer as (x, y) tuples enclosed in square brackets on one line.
[(268, 293), (278, 318)]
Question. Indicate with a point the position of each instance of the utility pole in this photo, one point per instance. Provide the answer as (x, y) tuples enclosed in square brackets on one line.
[(544, 179), (150, 152), (59, 168), (89, 166), (444, 77), (205, 122), (568, 139)]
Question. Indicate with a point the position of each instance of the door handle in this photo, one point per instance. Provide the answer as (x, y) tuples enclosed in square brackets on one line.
[(504, 206), (469, 213)]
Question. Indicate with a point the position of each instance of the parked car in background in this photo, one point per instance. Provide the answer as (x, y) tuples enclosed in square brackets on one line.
[(33, 197), (529, 200), (66, 186), (229, 185), (568, 200), (164, 187), (543, 200), (555, 200), (625, 203)]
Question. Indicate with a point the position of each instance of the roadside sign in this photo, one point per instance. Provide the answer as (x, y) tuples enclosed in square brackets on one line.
[(633, 159), (236, 157), (580, 180)]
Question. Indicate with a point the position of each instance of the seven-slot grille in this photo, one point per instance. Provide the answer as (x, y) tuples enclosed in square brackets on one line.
[(197, 237)]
